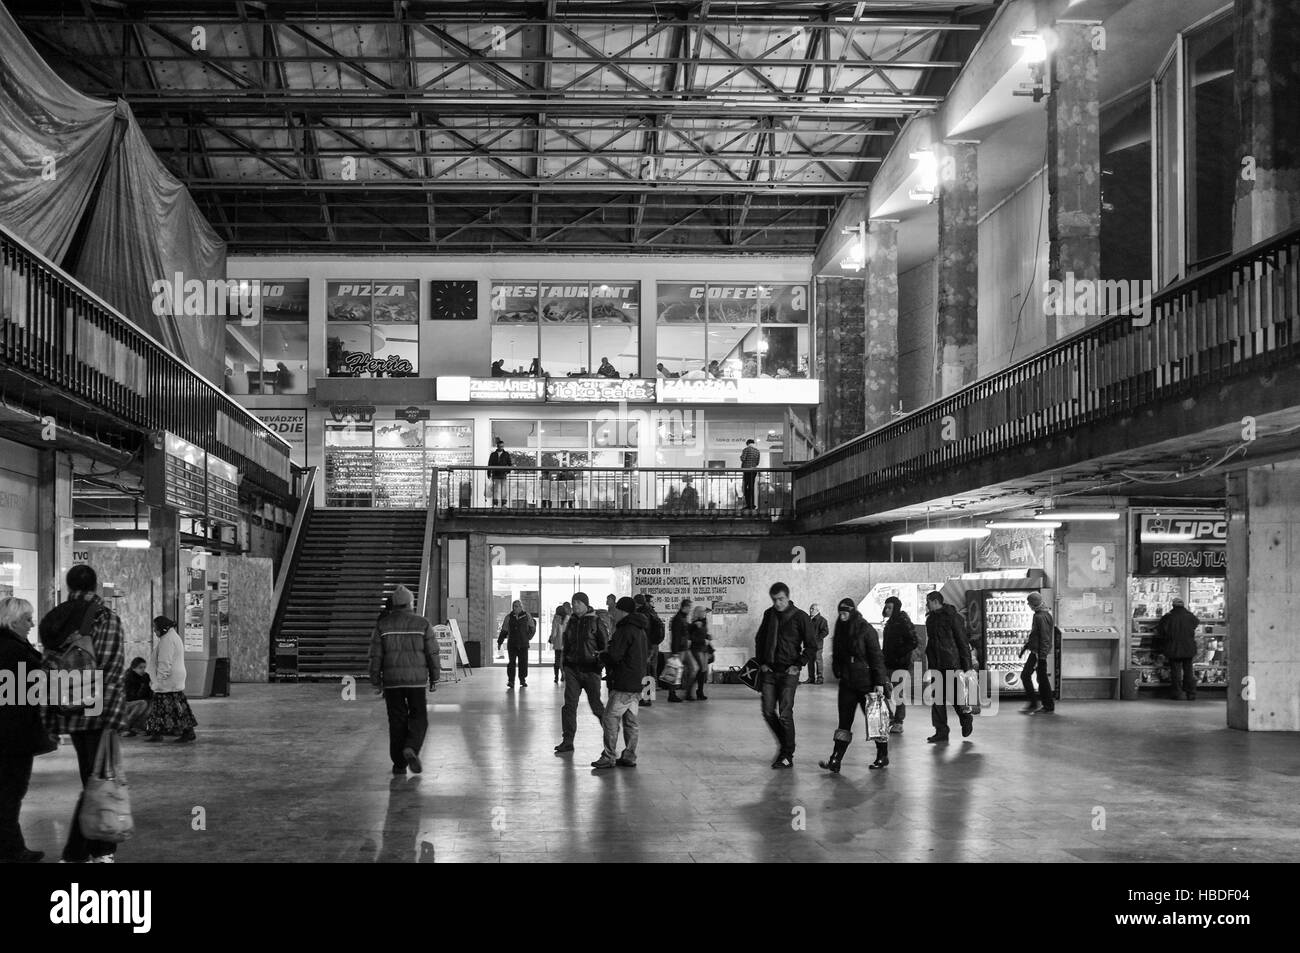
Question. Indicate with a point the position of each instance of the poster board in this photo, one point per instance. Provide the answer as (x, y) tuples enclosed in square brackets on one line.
[(460, 643), (446, 651)]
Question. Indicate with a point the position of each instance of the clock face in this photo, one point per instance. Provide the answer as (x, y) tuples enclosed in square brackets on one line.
[(453, 300)]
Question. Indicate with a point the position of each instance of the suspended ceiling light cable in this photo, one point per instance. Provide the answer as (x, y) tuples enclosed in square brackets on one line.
[(1183, 478)]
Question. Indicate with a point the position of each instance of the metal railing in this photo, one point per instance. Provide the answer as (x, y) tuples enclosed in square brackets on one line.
[(1239, 316), (56, 330), (614, 491)]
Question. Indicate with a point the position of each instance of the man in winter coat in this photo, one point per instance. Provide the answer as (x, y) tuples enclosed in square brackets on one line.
[(899, 643), (1176, 637), (85, 612), (584, 641), (403, 661), (783, 645), (517, 630), (1042, 639), (821, 630), (22, 730), (625, 661), (499, 465), (680, 628), (655, 631), (947, 652)]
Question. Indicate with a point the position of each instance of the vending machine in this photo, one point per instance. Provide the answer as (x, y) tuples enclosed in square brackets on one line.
[(998, 621)]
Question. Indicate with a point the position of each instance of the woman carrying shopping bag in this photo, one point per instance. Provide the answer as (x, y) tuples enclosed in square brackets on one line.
[(700, 649), (170, 712), (856, 660)]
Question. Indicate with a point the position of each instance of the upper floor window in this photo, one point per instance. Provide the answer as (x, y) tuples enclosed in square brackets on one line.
[(268, 354), (372, 328), (566, 328), (732, 330)]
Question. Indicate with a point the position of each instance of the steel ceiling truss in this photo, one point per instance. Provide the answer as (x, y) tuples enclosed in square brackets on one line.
[(688, 126)]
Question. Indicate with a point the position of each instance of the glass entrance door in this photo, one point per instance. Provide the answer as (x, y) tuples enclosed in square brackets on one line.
[(542, 590)]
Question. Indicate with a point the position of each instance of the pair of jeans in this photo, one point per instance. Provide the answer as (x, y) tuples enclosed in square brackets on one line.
[(778, 690), (15, 775), (518, 658), (620, 710), (498, 491), (943, 688), (848, 701), (408, 722), (815, 669), (900, 714), (1182, 677), (559, 662), (136, 713), (749, 479), (1037, 665), (78, 849), (575, 683)]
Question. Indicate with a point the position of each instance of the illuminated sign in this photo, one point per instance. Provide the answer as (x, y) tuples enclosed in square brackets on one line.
[(740, 391), (500, 389), (600, 390), (1183, 544), (363, 363)]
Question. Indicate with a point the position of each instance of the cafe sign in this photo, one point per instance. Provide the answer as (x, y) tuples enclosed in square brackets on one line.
[(600, 390), (1183, 544)]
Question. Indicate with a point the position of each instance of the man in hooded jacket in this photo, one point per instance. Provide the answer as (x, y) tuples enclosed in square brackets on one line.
[(625, 665), (947, 652)]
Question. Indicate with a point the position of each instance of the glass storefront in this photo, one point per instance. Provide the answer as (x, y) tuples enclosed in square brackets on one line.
[(566, 329), (731, 330), (268, 355), (373, 328), (387, 463)]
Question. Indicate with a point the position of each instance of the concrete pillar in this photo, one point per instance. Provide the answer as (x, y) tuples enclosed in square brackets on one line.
[(958, 267), (1268, 96), (881, 372), (54, 527), (480, 596), (1264, 598), (164, 538), (1073, 168), (842, 341)]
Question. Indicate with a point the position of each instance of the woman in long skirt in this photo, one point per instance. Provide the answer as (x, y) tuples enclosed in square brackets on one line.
[(169, 712)]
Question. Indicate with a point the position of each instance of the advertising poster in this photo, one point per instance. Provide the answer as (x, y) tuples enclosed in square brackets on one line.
[(1011, 549), (291, 425)]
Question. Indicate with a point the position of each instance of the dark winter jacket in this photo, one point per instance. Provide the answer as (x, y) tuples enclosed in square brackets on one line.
[(698, 633), (517, 631), (626, 655), (138, 687), (821, 628), (947, 648), (856, 656), (1042, 633), (655, 628), (499, 464), (21, 727), (900, 641), (785, 638), (584, 640), (1176, 634), (403, 651), (680, 624)]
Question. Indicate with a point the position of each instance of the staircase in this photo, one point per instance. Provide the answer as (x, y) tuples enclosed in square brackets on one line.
[(349, 561)]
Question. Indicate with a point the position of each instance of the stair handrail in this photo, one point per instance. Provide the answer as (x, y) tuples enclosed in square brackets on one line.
[(426, 606), (306, 499)]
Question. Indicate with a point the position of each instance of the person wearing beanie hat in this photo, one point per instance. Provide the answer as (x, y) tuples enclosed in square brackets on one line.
[(625, 660), (856, 660), (899, 643), (517, 630), (1039, 645), (583, 642), (403, 662)]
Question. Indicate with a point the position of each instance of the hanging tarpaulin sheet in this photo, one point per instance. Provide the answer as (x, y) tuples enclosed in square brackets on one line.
[(53, 144), (150, 253)]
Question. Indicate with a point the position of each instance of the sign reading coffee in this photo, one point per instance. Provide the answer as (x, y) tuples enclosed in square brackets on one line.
[(1183, 544)]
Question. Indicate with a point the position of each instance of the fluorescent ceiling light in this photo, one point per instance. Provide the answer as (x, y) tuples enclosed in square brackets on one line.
[(1022, 524), (1035, 46), (133, 544), (1168, 538), (1081, 515), (948, 534)]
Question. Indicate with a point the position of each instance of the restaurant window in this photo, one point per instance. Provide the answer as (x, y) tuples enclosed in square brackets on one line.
[(732, 330), (372, 329), (565, 329), (1126, 187), (268, 354), (1211, 141)]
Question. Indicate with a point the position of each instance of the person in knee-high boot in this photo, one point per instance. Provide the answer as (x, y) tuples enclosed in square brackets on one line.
[(858, 663), (698, 632), (679, 645)]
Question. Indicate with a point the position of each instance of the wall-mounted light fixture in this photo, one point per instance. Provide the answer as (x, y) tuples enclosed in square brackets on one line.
[(1034, 56), (927, 173), (856, 259)]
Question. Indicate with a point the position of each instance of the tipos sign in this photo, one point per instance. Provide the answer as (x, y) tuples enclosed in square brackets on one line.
[(1183, 544)]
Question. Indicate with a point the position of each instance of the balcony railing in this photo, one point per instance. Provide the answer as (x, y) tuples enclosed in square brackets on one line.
[(54, 329), (616, 491), (1240, 316)]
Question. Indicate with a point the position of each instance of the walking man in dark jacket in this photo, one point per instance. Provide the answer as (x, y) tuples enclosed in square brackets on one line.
[(947, 651), (403, 662), (899, 644), (1042, 638), (655, 631), (517, 630), (821, 630), (679, 626), (584, 640), (1176, 637), (499, 465), (783, 645), (625, 661)]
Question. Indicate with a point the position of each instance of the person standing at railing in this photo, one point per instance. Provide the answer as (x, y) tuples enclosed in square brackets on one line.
[(499, 466), (749, 458)]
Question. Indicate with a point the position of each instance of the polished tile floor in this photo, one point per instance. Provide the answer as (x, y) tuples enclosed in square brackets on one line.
[(297, 773)]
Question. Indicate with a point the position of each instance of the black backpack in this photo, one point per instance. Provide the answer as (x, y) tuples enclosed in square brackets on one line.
[(73, 666), (657, 631)]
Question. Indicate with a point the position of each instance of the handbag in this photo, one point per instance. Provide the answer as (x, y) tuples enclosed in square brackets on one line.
[(105, 805), (967, 685), (877, 718), (671, 677), (749, 675)]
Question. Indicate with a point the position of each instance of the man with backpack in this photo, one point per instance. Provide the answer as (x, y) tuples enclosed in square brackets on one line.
[(655, 631), (584, 640), (82, 636), (1042, 636)]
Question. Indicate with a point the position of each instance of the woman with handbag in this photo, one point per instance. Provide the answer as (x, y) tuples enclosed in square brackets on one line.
[(22, 730), (170, 712), (856, 660), (700, 649)]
